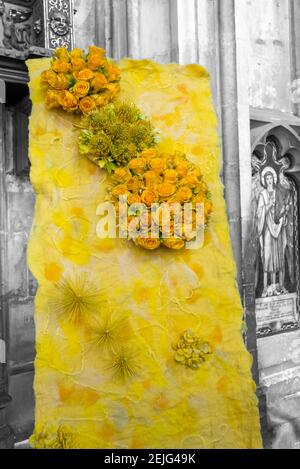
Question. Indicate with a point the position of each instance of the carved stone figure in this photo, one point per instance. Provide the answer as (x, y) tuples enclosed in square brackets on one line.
[(59, 23)]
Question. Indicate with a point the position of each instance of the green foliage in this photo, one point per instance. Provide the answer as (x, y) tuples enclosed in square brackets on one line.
[(112, 135)]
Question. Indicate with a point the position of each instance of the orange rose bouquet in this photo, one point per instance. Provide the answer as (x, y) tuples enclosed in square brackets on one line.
[(167, 200), (80, 82)]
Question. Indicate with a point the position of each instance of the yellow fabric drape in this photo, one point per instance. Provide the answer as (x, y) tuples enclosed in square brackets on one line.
[(147, 299)]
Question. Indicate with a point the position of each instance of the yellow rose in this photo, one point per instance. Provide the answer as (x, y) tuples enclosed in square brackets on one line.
[(148, 197), (157, 165), (190, 181), (87, 104), (52, 99), (165, 190), (101, 99), (62, 53), (61, 66), (151, 179), (76, 52), (199, 199), (148, 243), (95, 61), (121, 175), (81, 88), (112, 88), (94, 50), (182, 169), (99, 81), (78, 63), (170, 176), (134, 199), (133, 184), (174, 243), (149, 154), (120, 190), (84, 74), (113, 72), (68, 101), (47, 75), (184, 194), (137, 165)]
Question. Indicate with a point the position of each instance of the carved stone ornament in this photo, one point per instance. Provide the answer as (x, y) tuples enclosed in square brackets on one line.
[(35, 27)]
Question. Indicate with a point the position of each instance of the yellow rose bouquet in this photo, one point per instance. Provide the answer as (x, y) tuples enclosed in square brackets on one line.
[(80, 82), (167, 201)]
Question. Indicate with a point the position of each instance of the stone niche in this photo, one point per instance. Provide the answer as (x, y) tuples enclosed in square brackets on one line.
[(273, 261), (35, 27)]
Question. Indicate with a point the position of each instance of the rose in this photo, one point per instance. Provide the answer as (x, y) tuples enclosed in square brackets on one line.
[(112, 88), (99, 81), (121, 175), (184, 194), (157, 165), (84, 74), (76, 52), (58, 81), (137, 165), (101, 99), (62, 53), (47, 75), (182, 169), (95, 61), (149, 154), (94, 50), (165, 190), (170, 176), (81, 88), (112, 71), (134, 199), (61, 66), (68, 101), (133, 184), (78, 63), (86, 104), (199, 199), (150, 179), (119, 190), (190, 181), (148, 197), (52, 99), (148, 243), (174, 243)]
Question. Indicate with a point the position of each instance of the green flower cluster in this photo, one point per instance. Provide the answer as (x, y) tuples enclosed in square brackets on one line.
[(113, 135), (191, 351)]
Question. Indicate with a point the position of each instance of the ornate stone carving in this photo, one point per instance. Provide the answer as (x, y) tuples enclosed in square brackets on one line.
[(35, 27)]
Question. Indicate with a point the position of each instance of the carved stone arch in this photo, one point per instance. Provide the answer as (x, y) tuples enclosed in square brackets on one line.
[(274, 233)]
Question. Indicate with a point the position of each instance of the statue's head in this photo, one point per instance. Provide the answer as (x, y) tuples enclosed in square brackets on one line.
[(59, 23), (269, 180)]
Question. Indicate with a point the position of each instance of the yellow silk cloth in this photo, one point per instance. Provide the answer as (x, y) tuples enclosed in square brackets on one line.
[(80, 402)]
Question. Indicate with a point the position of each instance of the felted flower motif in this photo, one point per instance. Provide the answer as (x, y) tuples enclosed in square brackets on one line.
[(191, 351)]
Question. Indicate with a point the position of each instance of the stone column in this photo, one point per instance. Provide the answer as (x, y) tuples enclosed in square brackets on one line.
[(6, 435)]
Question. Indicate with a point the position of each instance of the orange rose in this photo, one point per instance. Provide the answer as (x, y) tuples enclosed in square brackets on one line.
[(157, 165), (47, 75), (170, 176), (68, 101), (173, 243), (119, 191), (149, 154), (137, 165), (61, 66), (84, 74), (99, 81), (184, 194), (182, 169), (149, 197), (94, 50), (151, 179), (52, 99), (165, 190), (58, 81), (190, 181), (148, 243), (113, 72), (95, 61), (121, 175), (81, 88), (199, 199), (76, 52), (112, 88), (133, 184), (134, 199), (87, 104), (62, 53), (78, 63), (101, 99)]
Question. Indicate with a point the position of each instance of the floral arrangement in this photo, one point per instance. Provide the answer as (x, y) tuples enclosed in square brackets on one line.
[(161, 182), (78, 81), (191, 351), (115, 134)]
